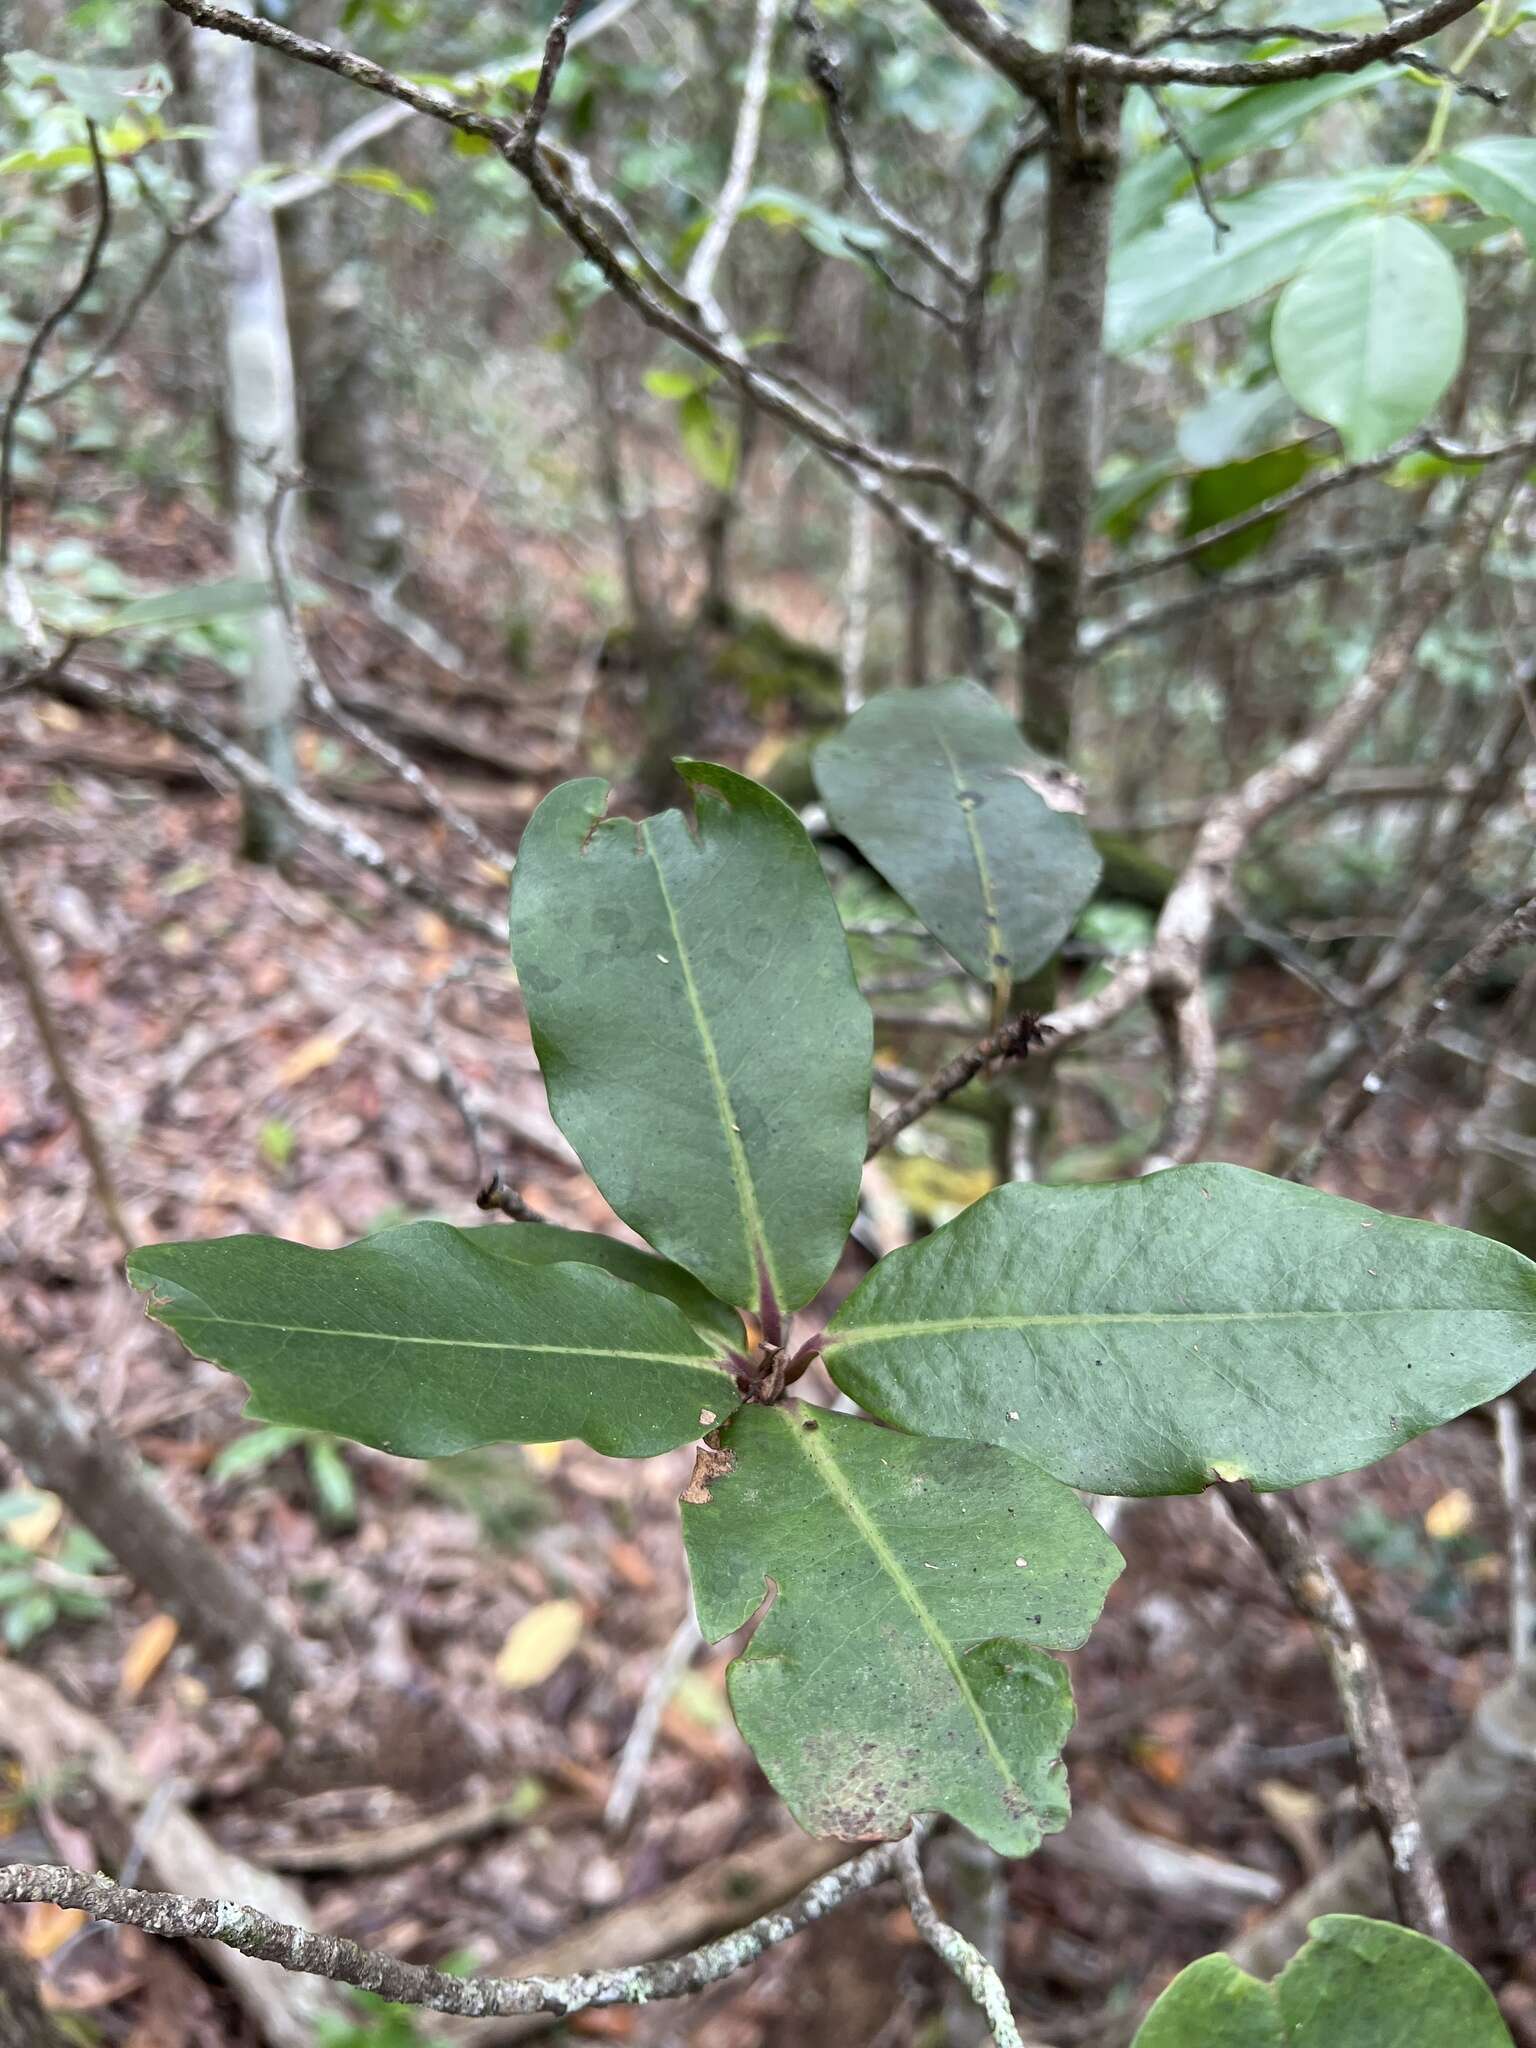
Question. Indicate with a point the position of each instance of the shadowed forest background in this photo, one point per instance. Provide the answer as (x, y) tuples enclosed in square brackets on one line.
[(831, 357)]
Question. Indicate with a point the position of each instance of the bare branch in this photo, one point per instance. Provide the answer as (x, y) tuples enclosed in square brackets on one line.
[(563, 188), (325, 700), (1275, 1528), (1033, 71), (699, 280), (1013, 1041), (256, 1934), (969, 1965), (24, 964), (360, 848), (821, 69), (1295, 569), (549, 71), (316, 175), (1324, 38), (1517, 929), (1082, 61), (1303, 494), (46, 328)]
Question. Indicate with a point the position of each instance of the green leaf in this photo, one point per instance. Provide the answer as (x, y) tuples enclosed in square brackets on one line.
[(331, 1477), (1233, 424), (1184, 271), (1142, 1337), (547, 1244), (96, 91), (1498, 174), (421, 1341), (704, 1044), (709, 441), (1371, 332), (1220, 494), (1265, 118), (900, 1668), (1356, 1984), (254, 1451), (938, 791), (28, 1618), (374, 178), (231, 597)]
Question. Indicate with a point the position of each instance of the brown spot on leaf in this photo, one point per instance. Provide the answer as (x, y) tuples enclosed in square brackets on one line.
[(708, 1466)]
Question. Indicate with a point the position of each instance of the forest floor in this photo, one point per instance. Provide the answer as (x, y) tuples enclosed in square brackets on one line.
[(253, 1045)]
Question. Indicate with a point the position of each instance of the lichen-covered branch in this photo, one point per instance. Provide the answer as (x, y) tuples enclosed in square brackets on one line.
[(1013, 1041), (1276, 1530), (258, 1935), (967, 1962)]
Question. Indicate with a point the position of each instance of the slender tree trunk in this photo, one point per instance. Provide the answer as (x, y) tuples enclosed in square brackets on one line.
[(259, 406), (1082, 164)]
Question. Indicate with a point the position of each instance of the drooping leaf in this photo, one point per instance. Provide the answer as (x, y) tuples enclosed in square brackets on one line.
[(1216, 495), (710, 440), (1498, 173), (1356, 1984), (703, 1041), (1140, 1337), (422, 1341), (917, 1584), (1370, 333), (548, 1244), (938, 790)]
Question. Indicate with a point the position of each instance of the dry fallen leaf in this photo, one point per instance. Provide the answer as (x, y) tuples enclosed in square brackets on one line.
[(539, 1644), (45, 1930), (147, 1650), (32, 1529), (1452, 1515), (312, 1055)]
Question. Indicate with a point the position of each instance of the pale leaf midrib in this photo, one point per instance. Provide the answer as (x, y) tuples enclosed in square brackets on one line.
[(812, 1446), (989, 907), (182, 1322), (754, 1235), (952, 1326)]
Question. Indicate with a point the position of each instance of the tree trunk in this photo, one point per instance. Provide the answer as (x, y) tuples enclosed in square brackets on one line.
[(258, 406)]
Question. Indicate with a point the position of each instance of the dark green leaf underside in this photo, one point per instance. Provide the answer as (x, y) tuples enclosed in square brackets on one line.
[(424, 1341), (1141, 1337), (703, 1041), (916, 1585)]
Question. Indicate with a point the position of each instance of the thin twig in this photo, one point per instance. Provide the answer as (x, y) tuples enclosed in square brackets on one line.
[(635, 1757), (46, 329), (325, 700), (703, 267), (1275, 1528), (1510, 1425), (1517, 929), (151, 707), (967, 1962), (1013, 1041), (549, 71), (256, 1934), (17, 946), (1325, 38), (1083, 60)]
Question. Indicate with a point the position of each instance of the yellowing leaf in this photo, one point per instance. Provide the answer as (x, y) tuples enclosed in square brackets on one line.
[(1451, 1516), (46, 1930), (147, 1650), (539, 1644), (312, 1055), (32, 1529)]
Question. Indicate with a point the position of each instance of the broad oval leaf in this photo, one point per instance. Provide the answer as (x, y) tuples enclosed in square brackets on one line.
[(1143, 1337), (1370, 333), (900, 1668), (549, 1244), (422, 1341), (1357, 1983), (703, 1041), (938, 790), (1216, 495), (1498, 174)]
